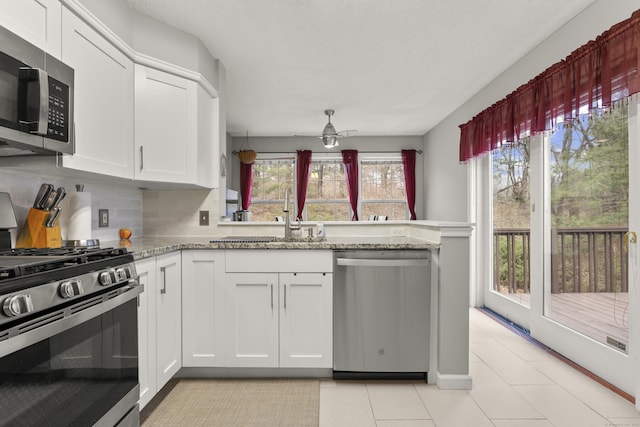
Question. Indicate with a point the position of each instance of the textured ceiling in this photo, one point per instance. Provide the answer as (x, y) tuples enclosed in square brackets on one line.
[(388, 67)]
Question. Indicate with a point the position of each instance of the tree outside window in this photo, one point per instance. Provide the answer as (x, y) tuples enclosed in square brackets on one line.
[(327, 195), (383, 189), (270, 180)]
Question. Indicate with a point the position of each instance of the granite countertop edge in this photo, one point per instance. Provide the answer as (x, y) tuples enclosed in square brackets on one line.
[(145, 247)]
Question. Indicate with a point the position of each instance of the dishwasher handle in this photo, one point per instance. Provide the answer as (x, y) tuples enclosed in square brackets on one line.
[(362, 262)]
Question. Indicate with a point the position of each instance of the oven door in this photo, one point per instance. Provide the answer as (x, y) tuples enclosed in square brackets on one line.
[(80, 370)]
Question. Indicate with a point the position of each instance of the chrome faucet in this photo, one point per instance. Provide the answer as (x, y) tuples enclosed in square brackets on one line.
[(287, 220)]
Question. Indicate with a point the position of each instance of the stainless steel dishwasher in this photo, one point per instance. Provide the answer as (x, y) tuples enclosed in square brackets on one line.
[(381, 314)]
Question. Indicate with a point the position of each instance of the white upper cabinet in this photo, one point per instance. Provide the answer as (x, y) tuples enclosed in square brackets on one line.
[(103, 100), (37, 21), (157, 123), (165, 127), (208, 140)]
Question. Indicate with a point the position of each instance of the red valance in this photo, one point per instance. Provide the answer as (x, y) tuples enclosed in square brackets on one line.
[(603, 71)]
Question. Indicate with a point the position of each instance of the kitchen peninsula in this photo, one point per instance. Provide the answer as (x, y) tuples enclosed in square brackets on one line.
[(448, 243)]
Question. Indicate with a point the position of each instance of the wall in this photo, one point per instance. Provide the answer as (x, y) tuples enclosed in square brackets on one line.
[(156, 39), (446, 199), (124, 202), (391, 144)]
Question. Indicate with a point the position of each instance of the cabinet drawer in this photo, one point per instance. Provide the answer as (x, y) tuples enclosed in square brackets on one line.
[(279, 261)]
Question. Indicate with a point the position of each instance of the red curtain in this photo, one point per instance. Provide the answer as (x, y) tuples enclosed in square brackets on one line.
[(350, 160), (597, 74), (409, 167), (302, 176), (246, 179)]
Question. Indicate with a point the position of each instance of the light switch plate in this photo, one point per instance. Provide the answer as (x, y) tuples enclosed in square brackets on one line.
[(103, 217), (204, 217)]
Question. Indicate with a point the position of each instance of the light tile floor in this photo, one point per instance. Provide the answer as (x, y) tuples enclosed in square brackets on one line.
[(515, 384)]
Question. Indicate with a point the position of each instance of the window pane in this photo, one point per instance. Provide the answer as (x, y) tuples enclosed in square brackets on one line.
[(328, 212), (270, 180), (327, 198), (589, 170), (382, 189), (511, 222), (391, 210)]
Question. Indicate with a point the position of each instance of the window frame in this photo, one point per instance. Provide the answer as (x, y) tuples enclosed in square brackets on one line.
[(363, 157), (380, 158), (279, 157)]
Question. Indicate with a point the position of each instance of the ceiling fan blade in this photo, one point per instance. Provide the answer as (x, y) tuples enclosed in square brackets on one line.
[(346, 133)]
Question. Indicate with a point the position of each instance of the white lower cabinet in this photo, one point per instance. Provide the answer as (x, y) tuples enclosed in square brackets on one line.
[(146, 269), (203, 308), (252, 319), (159, 322), (276, 318), (306, 320)]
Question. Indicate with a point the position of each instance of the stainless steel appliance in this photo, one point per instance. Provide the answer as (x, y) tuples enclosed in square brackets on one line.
[(36, 100), (381, 314), (7, 220), (68, 337)]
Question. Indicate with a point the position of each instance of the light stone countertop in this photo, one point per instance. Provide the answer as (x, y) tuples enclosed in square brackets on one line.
[(143, 247)]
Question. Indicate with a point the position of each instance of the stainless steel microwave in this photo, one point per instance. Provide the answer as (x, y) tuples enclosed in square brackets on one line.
[(36, 100)]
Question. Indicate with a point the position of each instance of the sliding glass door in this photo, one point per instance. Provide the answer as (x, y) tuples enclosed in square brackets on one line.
[(562, 211), (588, 189)]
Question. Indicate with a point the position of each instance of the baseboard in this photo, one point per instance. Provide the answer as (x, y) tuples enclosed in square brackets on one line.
[(453, 382)]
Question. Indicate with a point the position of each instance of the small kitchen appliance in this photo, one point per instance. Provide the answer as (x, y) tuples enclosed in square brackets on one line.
[(68, 337), (36, 100)]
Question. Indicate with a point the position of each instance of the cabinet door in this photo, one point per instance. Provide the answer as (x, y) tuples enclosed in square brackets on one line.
[(37, 21), (103, 96), (168, 317), (306, 320), (165, 127), (146, 270), (203, 308), (252, 319), (208, 140)]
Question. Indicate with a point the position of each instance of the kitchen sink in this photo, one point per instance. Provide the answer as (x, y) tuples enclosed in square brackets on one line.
[(245, 239), (265, 239)]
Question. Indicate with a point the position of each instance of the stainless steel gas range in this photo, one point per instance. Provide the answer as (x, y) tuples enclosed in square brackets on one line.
[(68, 337)]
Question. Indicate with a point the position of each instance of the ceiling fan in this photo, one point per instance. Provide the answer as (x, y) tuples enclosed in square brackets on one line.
[(329, 135)]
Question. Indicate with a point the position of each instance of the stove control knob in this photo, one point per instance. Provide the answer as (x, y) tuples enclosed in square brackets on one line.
[(107, 278), (17, 304), (123, 274), (71, 289)]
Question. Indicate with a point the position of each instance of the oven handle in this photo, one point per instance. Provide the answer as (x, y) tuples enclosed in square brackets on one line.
[(23, 340)]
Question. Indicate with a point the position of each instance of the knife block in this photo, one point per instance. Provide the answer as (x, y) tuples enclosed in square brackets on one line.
[(35, 235)]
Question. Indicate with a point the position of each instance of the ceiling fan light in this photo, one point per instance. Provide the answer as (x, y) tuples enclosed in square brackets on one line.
[(330, 141)]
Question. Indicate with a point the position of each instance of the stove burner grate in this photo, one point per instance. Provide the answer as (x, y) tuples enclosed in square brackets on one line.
[(20, 262)]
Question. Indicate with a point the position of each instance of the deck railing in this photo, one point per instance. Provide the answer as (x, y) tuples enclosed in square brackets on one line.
[(583, 259)]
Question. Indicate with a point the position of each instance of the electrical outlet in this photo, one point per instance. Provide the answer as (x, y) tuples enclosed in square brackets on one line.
[(204, 217), (103, 217)]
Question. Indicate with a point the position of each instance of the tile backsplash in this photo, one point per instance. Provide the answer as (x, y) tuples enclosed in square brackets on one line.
[(123, 202), (175, 213)]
